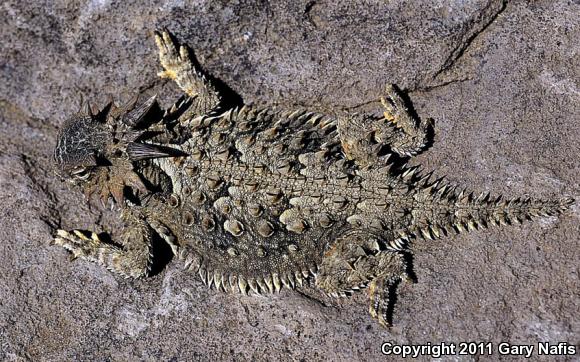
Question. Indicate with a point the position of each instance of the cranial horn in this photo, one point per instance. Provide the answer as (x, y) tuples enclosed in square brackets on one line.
[(88, 109), (84, 107), (135, 114), (101, 115), (143, 151)]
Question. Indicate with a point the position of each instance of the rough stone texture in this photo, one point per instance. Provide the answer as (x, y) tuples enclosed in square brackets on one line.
[(500, 80)]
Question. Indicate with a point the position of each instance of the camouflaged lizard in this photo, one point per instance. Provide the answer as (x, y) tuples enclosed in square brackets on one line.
[(255, 199)]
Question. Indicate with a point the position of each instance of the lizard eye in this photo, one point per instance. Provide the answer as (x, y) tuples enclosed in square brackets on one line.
[(81, 173)]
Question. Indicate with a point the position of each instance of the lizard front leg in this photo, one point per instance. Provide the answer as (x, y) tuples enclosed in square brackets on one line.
[(131, 259), (180, 66)]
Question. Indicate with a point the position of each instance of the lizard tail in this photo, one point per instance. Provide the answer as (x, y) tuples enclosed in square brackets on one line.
[(454, 212), (472, 212)]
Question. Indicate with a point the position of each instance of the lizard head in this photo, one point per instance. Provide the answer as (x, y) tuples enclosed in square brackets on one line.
[(93, 139), (98, 149)]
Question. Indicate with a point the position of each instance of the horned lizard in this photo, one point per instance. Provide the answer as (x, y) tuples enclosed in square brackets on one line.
[(256, 199)]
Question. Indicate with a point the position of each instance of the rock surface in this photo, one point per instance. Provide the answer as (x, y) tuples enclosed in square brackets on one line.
[(500, 79)]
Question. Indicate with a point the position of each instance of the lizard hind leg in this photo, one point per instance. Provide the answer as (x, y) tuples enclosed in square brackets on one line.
[(382, 296), (359, 259), (406, 134), (366, 138)]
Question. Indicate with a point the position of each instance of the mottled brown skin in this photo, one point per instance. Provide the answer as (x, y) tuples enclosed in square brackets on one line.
[(258, 199)]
